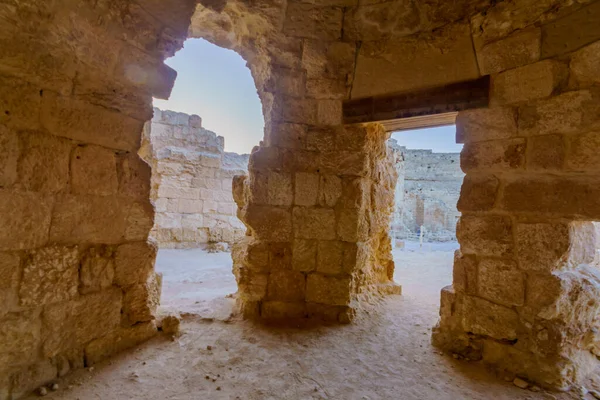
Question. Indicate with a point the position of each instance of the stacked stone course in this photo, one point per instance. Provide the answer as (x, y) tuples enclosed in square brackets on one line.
[(191, 182)]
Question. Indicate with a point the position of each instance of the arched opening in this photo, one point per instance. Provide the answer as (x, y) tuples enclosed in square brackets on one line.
[(197, 141)]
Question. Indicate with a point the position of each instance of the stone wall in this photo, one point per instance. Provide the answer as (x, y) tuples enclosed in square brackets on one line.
[(431, 185), (191, 182)]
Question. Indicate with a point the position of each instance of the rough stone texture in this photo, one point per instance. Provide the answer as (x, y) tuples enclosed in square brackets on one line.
[(77, 80), (191, 182), (426, 195)]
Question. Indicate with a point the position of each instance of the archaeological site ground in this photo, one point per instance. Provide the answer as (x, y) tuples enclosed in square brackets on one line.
[(140, 260)]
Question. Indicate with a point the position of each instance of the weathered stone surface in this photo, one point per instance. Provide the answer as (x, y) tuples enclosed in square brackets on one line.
[(118, 340), (20, 338), (486, 235), (501, 282), (493, 155), (534, 81), (327, 290), (50, 276), (32, 377), (306, 189), (582, 154), (275, 310), (584, 65), (478, 193), (486, 124), (330, 257), (134, 263), (414, 62), (482, 317), (94, 171), (518, 49), (97, 269), (72, 324), (304, 255), (10, 275), (313, 21), (9, 154), (44, 163), (330, 190), (546, 152), (24, 219), (141, 300), (287, 286), (464, 273), (314, 223)]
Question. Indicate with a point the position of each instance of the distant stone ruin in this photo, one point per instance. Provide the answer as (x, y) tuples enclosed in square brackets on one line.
[(191, 182), (427, 194)]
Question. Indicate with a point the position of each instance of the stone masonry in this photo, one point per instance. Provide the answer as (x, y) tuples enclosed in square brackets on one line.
[(77, 81), (191, 182), (430, 189)]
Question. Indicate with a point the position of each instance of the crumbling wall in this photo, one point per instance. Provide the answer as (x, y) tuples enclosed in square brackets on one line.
[(432, 185), (191, 182)]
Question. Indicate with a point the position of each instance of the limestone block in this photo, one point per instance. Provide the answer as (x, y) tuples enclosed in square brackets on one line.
[(51, 275), (583, 152), (44, 162), (140, 218), (286, 285), (558, 195), (10, 275), (134, 263), (345, 163), (134, 176), (330, 257), (313, 21), (306, 189), (330, 190), (88, 218), (280, 189), (118, 340), (286, 81), (546, 152), (97, 269), (93, 171), (328, 289), (373, 21), (269, 223), (323, 59), (252, 286), (549, 246), (329, 112), (141, 300), (302, 161), (9, 154), (314, 223), (520, 48), (71, 324), (210, 207), (530, 82), (20, 338), (482, 317), (32, 377), (493, 155), (20, 103), (569, 112), (478, 193), (585, 64), (295, 110), (485, 235), (282, 310), (486, 124), (355, 192), (280, 256), (321, 139), (304, 255), (501, 282), (413, 62), (289, 136), (326, 88), (265, 158), (464, 273), (88, 123), (256, 256), (571, 32), (352, 225), (190, 206)]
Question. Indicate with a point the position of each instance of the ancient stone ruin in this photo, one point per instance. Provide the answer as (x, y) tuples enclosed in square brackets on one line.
[(191, 182), (77, 278)]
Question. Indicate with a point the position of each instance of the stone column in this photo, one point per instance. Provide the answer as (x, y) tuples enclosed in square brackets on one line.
[(525, 292)]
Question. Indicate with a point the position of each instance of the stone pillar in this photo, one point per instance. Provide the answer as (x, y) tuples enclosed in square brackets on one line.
[(525, 292), (318, 217)]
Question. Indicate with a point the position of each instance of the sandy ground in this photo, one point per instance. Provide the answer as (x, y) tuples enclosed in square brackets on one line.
[(385, 354)]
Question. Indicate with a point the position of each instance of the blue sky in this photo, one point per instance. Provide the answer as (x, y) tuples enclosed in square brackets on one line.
[(216, 84)]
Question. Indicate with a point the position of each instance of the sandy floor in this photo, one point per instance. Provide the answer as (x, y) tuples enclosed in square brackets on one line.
[(384, 355)]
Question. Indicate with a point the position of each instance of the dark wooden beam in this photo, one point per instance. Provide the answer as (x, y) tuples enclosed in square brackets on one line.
[(434, 101)]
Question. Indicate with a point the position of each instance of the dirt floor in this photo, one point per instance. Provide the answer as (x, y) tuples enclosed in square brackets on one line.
[(385, 354)]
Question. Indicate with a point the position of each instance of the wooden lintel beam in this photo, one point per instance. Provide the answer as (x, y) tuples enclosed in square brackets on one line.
[(439, 100)]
